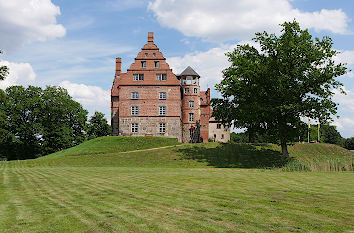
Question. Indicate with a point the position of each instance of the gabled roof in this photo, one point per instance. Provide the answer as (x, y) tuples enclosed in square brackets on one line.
[(189, 71)]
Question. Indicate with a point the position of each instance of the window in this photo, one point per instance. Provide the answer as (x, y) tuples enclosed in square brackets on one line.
[(138, 77), (195, 90), (162, 95), (222, 136), (143, 64), (157, 64), (134, 110), (191, 117), (191, 104), (218, 126), (135, 95), (191, 133), (146, 54), (134, 127), (162, 110), (154, 54), (186, 90), (162, 128), (201, 99), (161, 77)]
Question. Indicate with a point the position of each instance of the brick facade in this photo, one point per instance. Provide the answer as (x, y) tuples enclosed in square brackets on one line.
[(150, 100)]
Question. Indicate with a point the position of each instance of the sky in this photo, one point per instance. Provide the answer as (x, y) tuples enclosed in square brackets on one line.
[(74, 44)]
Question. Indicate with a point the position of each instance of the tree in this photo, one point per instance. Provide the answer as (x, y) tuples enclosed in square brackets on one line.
[(41, 121), (329, 134), (3, 132), (349, 143), (98, 126), (292, 76)]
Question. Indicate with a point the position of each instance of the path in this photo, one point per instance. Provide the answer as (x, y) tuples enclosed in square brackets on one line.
[(156, 148)]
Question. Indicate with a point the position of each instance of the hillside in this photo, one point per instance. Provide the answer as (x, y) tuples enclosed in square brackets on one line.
[(114, 152)]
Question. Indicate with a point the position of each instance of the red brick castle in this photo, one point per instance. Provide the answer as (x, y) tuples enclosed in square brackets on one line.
[(150, 100)]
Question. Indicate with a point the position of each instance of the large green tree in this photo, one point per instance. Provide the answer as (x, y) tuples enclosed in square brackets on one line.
[(269, 89), (98, 126), (41, 121), (3, 133)]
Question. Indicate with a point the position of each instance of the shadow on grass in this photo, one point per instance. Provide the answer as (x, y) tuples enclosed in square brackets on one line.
[(228, 155)]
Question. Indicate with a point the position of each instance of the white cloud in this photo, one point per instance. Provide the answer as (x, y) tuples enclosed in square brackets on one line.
[(345, 101), (92, 98), (224, 20), (25, 21), (209, 64), (19, 74)]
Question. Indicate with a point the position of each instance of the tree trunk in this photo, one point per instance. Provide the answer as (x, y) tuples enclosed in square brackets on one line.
[(250, 135), (284, 149)]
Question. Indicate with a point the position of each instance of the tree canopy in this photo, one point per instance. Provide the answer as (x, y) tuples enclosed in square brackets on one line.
[(98, 126), (41, 121), (291, 76)]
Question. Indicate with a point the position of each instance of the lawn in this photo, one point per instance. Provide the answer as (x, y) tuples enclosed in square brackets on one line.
[(185, 188)]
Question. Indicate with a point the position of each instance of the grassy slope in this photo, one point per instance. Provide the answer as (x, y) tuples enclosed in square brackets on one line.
[(176, 190), (103, 145)]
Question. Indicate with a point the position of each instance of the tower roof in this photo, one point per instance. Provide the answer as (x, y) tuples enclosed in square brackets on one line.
[(189, 72)]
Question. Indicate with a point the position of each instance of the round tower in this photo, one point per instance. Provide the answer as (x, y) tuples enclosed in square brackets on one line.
[(190, 105)]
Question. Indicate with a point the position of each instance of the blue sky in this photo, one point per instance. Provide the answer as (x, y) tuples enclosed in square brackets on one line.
[(74, 43)]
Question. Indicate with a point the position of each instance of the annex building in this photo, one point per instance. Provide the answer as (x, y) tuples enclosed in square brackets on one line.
[(150, 100)]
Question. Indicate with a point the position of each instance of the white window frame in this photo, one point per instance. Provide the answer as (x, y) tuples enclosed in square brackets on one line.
[(186, 90), (157, 64), (218, 126), (143, 64), (162, 128), (162, 95), (162, 111), (135, 95), (191, 117), (195, 90), (138, 77), (191, 104), (161, 77), (134, 110), (134, 127)]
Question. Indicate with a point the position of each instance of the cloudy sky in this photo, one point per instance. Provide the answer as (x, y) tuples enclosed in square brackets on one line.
[(74, 43)]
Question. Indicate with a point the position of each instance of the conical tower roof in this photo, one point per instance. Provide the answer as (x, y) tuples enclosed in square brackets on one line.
[(189, 72)]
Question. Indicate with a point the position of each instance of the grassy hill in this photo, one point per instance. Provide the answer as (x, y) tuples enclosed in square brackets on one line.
[(114, 152), (207, 187)]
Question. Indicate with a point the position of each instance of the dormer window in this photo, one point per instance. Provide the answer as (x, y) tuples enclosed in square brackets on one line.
[(154, 54), (146, 54), (157, 64), (143, 64)]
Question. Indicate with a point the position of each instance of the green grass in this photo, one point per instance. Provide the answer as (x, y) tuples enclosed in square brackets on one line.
[(103, 145), (208, 187)]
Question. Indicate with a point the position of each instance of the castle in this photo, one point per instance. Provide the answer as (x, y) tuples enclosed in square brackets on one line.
[(150, 100)]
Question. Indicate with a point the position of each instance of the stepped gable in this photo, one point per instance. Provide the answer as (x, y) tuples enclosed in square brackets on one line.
[(155, 63)]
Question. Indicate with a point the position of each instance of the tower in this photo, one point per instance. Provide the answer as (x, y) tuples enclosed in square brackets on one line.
[(190, 105)]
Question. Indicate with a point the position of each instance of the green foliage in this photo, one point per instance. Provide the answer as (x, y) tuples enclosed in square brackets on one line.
[(269, 90), (349, 143), (329, 134), (41, 121), (4, 134), (98, 126), (238, 137), (4, 71)]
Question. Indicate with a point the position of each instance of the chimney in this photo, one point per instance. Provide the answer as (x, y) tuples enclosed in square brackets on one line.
[(118, 65), (151, 37)]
